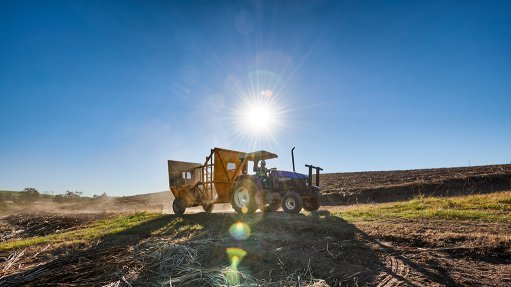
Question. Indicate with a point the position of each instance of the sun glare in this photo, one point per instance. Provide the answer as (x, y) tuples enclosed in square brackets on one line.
[(261, 115), (259, 119)]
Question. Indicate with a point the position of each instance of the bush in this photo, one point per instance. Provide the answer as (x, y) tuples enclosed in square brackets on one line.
[(101, 196), (68, 196), (73, 194), (30, 192)]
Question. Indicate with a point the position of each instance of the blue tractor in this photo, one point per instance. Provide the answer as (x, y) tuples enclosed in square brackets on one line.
[(269, 189)]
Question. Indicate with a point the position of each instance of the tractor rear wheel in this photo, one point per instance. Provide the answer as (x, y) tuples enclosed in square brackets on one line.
[(208, 207), (311, 204), (244, 197), (292, 202), (179, 206)]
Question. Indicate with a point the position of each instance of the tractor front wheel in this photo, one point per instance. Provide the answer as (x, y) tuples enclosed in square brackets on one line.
[(311, 204), (179, 206), (243, 198), (292, 202)]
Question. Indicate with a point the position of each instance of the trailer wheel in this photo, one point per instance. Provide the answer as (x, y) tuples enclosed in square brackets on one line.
[(179, 206), (243, 197), (311, 204), (208, 207), (292, 202)]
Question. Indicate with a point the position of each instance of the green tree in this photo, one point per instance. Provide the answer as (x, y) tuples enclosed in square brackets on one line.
[(101, 196), (30, 192), (73, 194)]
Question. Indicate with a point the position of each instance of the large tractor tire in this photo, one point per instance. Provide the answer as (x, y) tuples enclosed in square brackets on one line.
[(179, 206), (311, 204), (208, 207), (292, 202), (244, 197)]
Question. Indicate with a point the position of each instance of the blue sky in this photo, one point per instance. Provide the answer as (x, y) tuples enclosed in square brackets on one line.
[(97, 95)]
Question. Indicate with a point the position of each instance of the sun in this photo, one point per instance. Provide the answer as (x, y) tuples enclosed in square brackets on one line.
[(259, 118)]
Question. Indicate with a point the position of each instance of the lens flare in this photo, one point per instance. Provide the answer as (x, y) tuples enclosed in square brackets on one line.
[(239, 231), (232, 277), (235, 255), (267, 93)]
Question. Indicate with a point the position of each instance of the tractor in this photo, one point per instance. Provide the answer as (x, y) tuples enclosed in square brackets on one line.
[(224, 178)]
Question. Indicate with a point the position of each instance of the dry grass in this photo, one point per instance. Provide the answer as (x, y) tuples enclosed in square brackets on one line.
[(184, 264), (483, 207)]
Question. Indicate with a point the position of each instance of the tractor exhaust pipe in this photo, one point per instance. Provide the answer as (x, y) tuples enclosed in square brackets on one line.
[(293, 158)]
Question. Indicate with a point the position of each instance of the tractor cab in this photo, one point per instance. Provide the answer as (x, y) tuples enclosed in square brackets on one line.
[(256, 157)]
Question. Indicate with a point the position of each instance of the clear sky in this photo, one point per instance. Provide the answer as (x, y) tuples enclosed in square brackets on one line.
[(95, 96)]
